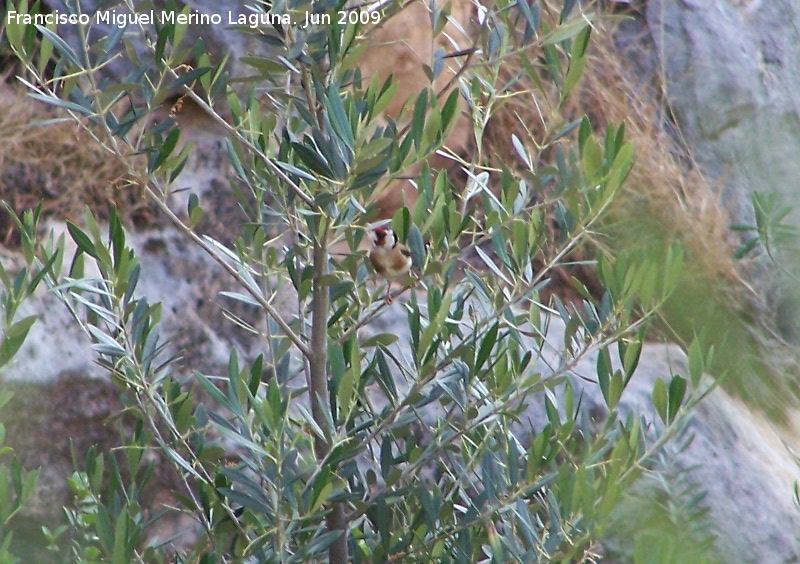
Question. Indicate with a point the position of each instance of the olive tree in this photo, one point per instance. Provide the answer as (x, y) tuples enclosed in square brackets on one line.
[(359, 447)]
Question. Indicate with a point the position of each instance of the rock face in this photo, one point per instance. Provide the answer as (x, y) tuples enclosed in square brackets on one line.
[(731, 76), (731, 73), (741, 463), (748, 473)]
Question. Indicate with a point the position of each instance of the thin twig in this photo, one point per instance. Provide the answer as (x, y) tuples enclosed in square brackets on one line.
[(262, 301)]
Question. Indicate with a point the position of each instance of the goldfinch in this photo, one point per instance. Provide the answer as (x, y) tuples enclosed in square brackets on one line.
[(390, 258)]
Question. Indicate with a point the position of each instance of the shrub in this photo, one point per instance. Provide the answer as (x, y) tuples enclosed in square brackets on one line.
[(353, 448), (17, 484)]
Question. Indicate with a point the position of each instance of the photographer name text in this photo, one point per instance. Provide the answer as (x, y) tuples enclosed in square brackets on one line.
[(251, 20)]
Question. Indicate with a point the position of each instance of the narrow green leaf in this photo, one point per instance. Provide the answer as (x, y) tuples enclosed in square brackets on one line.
[(322, 497), (21, 327), (235, 162), (385, 97), (14, 338), (381, 339), (523, 154), (449, 109), (120, 554), (346, 393), (581, 42), (574, 74), (551, 410), (592, 158), (620, 168), (677, 391), (81, 239), (492, 266), (244, 298), (615, 387), (745, 248), (45, 50), (487, 343), (246, 500), (216, 395), (338, 117), (604, 372), (59, 103), (61, 45), (568, 30), (103, 529), (695, 362), (14, 31), (660, 399), (531, 13), (296, 171), (631, 354), (181, 25), (418, 118), (416, 245), (189, 77), (384, 376), (166, 148), (434, 327), (312, 159)]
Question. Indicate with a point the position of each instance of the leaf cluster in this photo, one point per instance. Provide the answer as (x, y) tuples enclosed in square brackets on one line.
[(337, 443)]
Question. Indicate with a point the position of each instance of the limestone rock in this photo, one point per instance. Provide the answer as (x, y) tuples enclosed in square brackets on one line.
[(731, 72)]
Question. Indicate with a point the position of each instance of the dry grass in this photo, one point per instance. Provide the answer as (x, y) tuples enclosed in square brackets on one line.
[(58, 165), (667, 199), (664, 189), (664, 199), (663, 186)]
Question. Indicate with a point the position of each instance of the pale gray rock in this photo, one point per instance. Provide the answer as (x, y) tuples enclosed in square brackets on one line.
[(740, 459), (732, 77)]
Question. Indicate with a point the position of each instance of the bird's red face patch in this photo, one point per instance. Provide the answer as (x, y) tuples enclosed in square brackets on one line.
[(380, 235)]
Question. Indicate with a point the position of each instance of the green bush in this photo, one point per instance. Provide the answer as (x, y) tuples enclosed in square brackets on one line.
[(17, 485), (350, 450)]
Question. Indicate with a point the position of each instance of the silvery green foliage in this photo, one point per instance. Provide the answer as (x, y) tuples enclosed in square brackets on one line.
[(17, 485), (336, 443)]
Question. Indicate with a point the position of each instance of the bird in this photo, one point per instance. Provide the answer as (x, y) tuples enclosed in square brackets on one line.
[(388, 256)]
